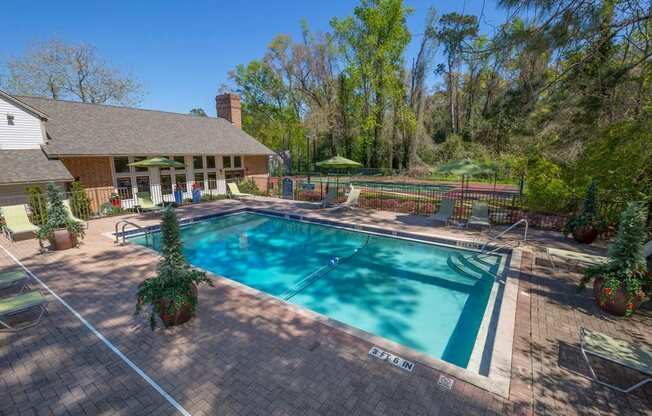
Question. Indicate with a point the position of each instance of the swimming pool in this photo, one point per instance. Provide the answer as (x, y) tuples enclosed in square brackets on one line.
[(402, 290)]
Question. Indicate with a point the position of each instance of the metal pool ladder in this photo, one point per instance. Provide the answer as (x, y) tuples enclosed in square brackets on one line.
[(125, 223), (484, 246)]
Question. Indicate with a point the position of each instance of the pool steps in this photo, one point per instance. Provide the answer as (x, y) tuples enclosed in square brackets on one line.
[(472, 266)]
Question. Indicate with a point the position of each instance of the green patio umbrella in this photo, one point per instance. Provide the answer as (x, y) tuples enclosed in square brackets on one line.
[(338, 162), (465, 168), (157, 162)]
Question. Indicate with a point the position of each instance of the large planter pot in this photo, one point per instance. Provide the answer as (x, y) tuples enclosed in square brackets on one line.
[(617, 305), (178, 197), (182, 315), (196, 196), (584, 234), (62, 239)]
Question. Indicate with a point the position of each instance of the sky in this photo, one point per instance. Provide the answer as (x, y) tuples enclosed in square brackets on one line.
[(182, 51)]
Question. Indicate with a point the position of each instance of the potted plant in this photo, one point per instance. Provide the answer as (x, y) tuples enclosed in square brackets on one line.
[(172, 293), (115, 200), (59, 229), (586, 225), (178, 195), (196, 192), (623, 284)]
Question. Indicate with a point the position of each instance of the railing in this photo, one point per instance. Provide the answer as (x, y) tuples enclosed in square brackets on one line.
[(494, 238), (126, 223)]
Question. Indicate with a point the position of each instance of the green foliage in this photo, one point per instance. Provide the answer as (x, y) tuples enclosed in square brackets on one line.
[(37, 205), (249, 187), (175, 278), (58, 217), (545, 191), (80, 203), (198, 112), (627, 266), (587, 216)]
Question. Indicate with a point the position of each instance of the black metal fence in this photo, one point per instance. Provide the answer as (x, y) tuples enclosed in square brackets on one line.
[(504, 207)]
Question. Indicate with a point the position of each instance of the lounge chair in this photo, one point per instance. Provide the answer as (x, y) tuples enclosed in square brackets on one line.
[(331, 196), (66, 205), (22, 303), (446, 211), (574, 258), (10, 279), (235, 191), (16, 221), (145, 203), (647, 249), (479, 215), (351, 202), (635, 356)]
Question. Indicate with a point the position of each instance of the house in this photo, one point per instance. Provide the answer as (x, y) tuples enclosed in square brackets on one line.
[(43, 140)]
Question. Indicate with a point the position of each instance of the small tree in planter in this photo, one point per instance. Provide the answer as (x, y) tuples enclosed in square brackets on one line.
[(172, 293), (586, 225), (62, 231), (621, 285), (80, 203)]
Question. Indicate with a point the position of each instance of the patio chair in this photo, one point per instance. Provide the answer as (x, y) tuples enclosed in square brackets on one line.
[(22, 303), (351, 202), (647, 249), (331, 196), (635, 356), (16, 221), (235, 191), (15, 277), (145, 204), (446, 211), (574, 258), (479, 215), (66, 205)]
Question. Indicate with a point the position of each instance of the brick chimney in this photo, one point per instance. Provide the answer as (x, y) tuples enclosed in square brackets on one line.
[(228, 107)]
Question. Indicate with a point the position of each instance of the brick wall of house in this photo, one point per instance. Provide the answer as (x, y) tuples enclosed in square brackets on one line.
[(95, 174), (256, 169)]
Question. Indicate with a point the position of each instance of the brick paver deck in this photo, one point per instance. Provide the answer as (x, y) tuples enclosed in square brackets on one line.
[(243, 355)]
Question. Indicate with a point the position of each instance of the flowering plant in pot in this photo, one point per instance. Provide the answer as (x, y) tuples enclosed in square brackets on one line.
[(59, 229), (623, 284), (587, 224), (115, 200), (172, 292)]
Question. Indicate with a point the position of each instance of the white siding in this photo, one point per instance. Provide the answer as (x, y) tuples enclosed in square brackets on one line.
[(25, 133)]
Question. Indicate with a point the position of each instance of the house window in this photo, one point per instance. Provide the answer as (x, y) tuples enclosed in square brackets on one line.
[(123, 184), (166, 184), (142, 182), (210, 162), (212, 180), (138, 159), (237, 161), (199, 178), (198, 162), (181, 181), (226, 161), (10, 119), (179, 159), (232, 174), (120, 164)]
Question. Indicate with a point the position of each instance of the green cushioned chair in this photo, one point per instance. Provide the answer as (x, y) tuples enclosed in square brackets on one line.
[(446, 211), (22, 303), (145, 203), (16, 221), (235, 191), (479, 214), (13, 278), (331, 196)]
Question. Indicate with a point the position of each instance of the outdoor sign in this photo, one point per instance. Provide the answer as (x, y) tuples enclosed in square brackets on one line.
[(308, 186), (287, 189), (397, 361)]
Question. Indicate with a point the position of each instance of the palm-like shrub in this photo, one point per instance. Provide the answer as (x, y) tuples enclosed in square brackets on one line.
[(58, 217), (175, 280), (80, 203)]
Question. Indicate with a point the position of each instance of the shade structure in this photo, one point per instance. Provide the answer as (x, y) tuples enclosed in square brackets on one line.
[(157, 162), (338, 162), (464, 167)]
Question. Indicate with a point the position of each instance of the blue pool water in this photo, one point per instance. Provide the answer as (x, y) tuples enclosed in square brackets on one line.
[(398, 289)]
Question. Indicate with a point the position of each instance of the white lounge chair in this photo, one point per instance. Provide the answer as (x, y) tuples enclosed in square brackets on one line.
[(636, 356), (574, 258), (235, 192), (351, 202)]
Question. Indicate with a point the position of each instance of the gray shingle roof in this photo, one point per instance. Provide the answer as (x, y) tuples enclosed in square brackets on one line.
[(30, 166), (91, 129)]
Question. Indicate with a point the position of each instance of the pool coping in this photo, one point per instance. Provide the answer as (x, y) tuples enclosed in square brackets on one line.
[(497, 380)]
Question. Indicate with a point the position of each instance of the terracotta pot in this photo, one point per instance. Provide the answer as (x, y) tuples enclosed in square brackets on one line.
[(584, 234), (62, 239), (617, 305), (182, 315)]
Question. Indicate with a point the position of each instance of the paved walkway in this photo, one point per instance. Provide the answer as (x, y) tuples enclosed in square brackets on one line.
[(243, 356)]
